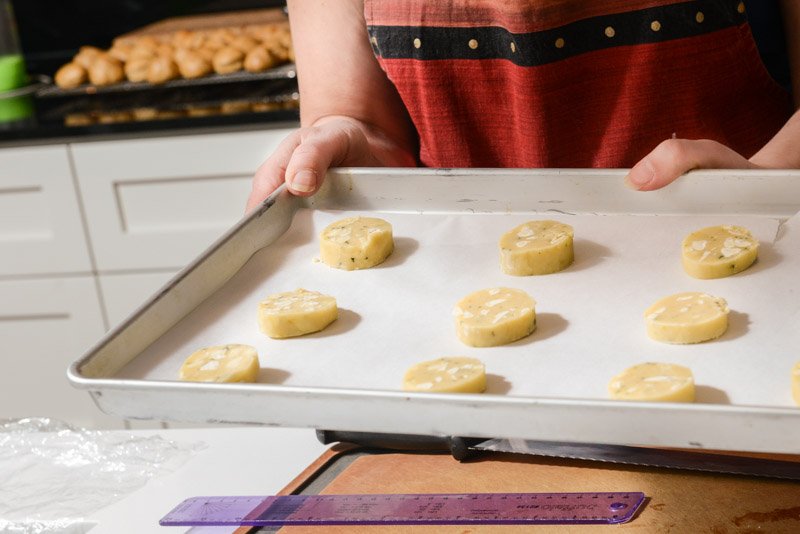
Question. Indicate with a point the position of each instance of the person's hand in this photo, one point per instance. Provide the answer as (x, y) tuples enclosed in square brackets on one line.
[(302, 159), (674, 157)]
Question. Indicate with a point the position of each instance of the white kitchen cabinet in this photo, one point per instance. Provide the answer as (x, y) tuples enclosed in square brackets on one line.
[(45, 325), (124, 293), (40, 221), (88, 232), (157, 203)]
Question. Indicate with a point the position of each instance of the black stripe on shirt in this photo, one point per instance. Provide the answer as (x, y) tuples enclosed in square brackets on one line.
[(652, 25)]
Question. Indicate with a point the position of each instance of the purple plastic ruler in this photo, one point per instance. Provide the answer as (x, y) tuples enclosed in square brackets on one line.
[(408, 509)]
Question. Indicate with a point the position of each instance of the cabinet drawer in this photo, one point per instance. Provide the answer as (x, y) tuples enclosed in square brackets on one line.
[(41, 231), (45, 325), (157, 203)]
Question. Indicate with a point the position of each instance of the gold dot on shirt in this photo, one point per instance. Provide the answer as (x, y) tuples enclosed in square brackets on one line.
[(417, 43), (740, 7), (560, 42), (374, 40), (513, 47), (699, 17), (473, 44), (610, 32), (655, 26)]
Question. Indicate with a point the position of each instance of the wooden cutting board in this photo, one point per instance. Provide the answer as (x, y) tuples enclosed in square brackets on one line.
[(678, 501), (209, 22)]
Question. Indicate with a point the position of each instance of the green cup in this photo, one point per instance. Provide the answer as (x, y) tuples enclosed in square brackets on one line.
[(12, 72), (15, 109)]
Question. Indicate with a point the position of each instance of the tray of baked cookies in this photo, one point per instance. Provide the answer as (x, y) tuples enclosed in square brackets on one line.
[(536, 304), (183, 52)]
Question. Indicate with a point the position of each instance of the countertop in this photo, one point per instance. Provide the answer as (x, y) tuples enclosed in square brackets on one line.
[(236, 461), (263, 460)]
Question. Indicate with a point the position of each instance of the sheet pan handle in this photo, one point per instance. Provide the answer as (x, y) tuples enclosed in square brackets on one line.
[(459, 448)]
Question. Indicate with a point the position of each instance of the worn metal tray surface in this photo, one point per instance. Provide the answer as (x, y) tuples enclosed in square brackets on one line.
[(550, 386)]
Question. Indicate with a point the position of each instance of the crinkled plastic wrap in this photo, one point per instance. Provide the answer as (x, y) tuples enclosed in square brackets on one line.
[(53, 476)]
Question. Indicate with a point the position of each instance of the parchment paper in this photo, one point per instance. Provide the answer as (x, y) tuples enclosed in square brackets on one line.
[(590, 316)]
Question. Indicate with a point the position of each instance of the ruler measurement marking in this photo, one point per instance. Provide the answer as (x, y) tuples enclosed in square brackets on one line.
[(407, 509)]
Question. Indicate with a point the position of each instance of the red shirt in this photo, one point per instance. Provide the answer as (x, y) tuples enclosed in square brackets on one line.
[(574, 83)]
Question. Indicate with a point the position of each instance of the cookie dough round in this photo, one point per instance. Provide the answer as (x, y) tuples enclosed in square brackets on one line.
[(718, 251), (653, 382), (356, 243), (223, 363), (687, 318), (496, 316), (296, 313), (537, 247), (447, 375), (796, 383)]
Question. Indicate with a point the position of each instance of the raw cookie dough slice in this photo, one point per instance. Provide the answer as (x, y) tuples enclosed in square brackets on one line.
[(718, 251), (224, 363), (295, 313), (796, 383), (447, 375), (356, 243), (653, 382), (536, 247), (496, 316), (687, 318)]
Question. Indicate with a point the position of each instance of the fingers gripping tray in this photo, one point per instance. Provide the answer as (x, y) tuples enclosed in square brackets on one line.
[(550, 385)]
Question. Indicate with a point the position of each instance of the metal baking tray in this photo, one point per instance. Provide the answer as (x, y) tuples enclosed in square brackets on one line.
[(283, 72), (464, 198)]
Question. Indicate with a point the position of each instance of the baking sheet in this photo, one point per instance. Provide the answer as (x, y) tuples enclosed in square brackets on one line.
[(286, 71), (208, 294), (590, 316)]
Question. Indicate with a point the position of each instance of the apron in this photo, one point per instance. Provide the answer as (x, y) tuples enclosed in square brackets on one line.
[(574, 83)]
